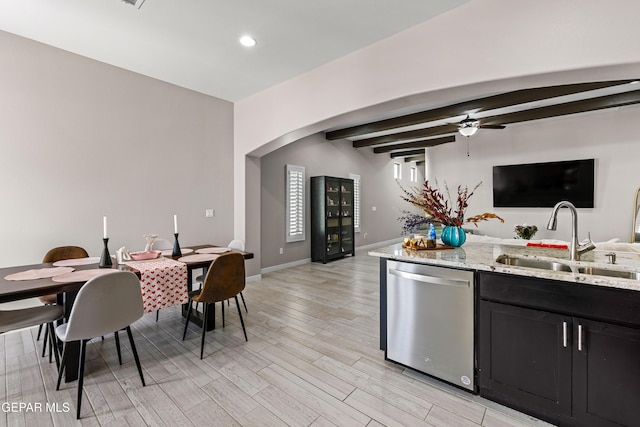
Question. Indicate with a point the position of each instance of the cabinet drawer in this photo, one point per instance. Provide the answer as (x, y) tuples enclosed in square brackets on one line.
[(592, 302)]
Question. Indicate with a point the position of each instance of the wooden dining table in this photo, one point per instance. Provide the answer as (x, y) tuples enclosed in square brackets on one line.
[(23, 289)]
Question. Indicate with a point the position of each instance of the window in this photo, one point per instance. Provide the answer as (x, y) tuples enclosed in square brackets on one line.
[(295, 203), (414, 174), (356, 201), (397, 171)]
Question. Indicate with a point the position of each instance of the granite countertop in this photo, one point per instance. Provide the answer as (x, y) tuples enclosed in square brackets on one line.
[(482, 256)]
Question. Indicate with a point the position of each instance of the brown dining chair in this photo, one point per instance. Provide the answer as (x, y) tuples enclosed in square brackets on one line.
[(53, 255), (224, 280)]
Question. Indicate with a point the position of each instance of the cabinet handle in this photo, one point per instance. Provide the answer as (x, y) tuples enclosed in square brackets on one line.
[(579, 337), (564, 334)]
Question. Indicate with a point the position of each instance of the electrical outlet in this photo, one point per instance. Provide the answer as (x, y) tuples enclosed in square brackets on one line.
[(373, 208), (209, 213), (281, 251)]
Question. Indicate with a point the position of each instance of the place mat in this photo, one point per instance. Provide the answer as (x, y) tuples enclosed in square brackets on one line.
[(213, 250), (77, 261), (39, 273), (83, 275), (169, 252), (198, 258)]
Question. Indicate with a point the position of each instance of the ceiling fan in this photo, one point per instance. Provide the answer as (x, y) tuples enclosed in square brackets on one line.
[(469, 126)]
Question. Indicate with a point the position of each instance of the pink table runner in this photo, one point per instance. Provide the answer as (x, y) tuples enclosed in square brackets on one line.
[(163, 281)]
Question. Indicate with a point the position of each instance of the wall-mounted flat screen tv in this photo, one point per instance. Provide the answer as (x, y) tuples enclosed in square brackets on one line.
[(542, 185)]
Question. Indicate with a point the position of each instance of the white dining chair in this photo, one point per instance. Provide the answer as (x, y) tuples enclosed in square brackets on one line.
[(161, 244), (105, 304), (11, 320)]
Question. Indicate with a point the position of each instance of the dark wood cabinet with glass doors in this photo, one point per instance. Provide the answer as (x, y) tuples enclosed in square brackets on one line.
[(332, 222)]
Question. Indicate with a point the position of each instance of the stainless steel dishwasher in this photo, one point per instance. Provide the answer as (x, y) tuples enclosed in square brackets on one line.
[(430, 321)]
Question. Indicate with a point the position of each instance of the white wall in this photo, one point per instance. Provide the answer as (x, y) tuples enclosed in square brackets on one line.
[(80, 139), (511, 45), (610, 137)]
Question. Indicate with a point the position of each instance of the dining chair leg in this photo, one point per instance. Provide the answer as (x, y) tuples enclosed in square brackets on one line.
[(186, 324), (157, 314), (44, 341), (62, 364), (135, 354), (53, 345), (204, 327), (222, 304), (241, 321), (244, 303), (115, 334), (39, 332), (83, 352)]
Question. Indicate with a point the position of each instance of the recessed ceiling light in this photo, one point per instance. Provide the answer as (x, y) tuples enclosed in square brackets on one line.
[(247, 41)]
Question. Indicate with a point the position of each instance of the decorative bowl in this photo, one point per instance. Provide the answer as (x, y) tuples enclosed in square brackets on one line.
[(140, 256)]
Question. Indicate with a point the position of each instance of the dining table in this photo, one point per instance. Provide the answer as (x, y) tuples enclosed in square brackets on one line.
[(14, 290)]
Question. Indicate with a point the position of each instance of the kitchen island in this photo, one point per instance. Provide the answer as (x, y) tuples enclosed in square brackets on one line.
[(563, 346)]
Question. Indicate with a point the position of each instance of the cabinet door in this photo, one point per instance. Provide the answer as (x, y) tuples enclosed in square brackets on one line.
[(524, 359), (346, 216), (606, 374), (332, 217)]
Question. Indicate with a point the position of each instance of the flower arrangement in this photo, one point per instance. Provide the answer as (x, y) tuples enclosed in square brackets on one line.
[(438, 208), (525, 231)]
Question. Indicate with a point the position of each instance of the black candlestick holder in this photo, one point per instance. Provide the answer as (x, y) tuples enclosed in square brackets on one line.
[(105, 259), (176, 247)]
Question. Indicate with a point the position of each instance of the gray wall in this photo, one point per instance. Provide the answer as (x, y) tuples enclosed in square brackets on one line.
[(80, 139), (611, 137), (333, 158)]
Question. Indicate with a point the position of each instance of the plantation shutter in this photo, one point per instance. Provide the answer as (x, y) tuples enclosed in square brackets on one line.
[(295, 203), (356, 201)]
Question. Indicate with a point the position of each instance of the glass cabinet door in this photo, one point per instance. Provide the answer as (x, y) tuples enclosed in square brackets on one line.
[(346, 216), (333, 210)]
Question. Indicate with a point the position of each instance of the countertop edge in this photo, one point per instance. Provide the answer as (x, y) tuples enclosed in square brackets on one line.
[(482, 256)]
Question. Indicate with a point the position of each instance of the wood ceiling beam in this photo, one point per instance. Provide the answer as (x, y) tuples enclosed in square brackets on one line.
[(476, 105), (423, 143), (582, 106), (403, 136), (406, 153), (414, 159), (574, 107)]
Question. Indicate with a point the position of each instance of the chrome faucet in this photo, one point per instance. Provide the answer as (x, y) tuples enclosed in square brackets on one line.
[(575, 249)]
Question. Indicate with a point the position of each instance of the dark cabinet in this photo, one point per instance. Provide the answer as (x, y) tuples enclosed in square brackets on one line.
[(539, 353), (332, 225), (525, 362)]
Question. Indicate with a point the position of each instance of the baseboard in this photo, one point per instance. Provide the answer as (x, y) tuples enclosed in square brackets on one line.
[(253, 278), (286, 265)]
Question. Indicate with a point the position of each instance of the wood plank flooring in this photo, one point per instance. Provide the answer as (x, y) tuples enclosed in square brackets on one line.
[(312, 359)]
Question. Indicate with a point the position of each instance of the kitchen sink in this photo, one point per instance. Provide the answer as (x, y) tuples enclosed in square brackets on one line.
[(532, 263), (622, 274), (517, 261)]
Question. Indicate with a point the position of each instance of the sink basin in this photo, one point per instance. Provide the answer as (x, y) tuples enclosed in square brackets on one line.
[(532, 263), (622, 274)]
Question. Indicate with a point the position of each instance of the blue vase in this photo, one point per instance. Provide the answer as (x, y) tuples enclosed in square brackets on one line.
[(453, 236)]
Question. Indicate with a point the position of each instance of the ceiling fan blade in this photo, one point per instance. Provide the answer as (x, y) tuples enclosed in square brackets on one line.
[(492, 126)]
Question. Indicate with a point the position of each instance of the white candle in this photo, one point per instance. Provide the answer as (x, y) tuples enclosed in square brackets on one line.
[(175, 224), (104, 226)]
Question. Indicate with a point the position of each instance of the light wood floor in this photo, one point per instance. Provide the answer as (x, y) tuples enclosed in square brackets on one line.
[(312, 359)]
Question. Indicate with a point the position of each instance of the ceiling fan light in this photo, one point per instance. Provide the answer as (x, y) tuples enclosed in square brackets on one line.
[(468, 127), (468, 131)]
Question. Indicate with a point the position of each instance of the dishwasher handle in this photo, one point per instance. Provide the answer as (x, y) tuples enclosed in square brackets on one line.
[(430, 279)]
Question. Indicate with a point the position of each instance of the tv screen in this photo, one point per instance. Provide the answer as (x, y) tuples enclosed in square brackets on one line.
[(542, 185)]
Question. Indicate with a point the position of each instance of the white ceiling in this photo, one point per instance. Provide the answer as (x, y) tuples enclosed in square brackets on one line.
[(194, 43)]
